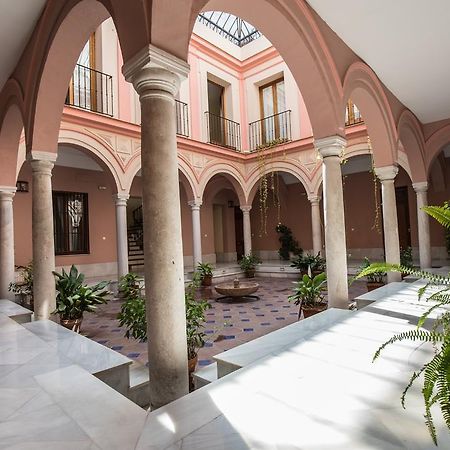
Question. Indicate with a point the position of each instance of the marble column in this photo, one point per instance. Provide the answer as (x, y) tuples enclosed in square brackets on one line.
[(43, 240), (423, 225), (196, 232), (387, 175), (121, 233), (6, 241), (316, 225), (247, 229), (330, 150), (156, 76)]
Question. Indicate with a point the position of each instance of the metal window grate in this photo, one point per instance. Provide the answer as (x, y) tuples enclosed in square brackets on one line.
[(270, 131), (182, 117), (223, 132), (71, 223)]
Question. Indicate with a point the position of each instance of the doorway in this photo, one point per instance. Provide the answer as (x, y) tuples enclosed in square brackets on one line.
[(404, 226), (239, 232)]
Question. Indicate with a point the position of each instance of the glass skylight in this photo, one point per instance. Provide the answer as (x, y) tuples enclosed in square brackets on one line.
[(231, 27)]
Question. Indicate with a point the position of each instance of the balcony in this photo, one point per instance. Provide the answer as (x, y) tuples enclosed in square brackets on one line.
[(352, 115), (223, 132), (270, 131), (182, 117), (91, 90)]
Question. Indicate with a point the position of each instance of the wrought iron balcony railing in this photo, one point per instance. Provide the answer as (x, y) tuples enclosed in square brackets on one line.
[(91, 90), (182, 114), (270, 131), (223, 132), (352, 114)]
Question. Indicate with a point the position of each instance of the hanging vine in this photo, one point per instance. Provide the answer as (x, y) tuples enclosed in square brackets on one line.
[(376, 188)]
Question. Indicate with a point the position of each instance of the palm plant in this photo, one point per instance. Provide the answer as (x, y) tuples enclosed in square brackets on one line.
[(308, 294), (436, 373)]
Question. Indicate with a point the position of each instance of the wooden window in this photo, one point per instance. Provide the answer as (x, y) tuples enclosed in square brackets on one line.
[(71, 223), (273, 104)]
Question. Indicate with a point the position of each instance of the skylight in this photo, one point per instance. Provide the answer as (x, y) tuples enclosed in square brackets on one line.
[(230, 27)]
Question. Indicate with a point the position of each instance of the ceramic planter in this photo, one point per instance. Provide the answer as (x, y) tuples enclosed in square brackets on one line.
[(207, 280), (309, 311), (372, 285), (71, 324)]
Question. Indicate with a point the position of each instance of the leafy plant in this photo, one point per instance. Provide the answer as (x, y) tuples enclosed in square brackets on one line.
[(205, 269), (436, 372), (129, 285), (249, 262), (287, 241), (406, 259), (308, 291), (73, 297), (371, 276), (315, 263), (24, 287), (133, 317)]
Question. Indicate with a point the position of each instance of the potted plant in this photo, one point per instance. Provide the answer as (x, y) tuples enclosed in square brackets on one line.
[(24, 287), (308, 295), (406, 259), (374, 280), (73, 298), (309, 264), (206, 273), (289, 246), (132, 316), (248, 265)]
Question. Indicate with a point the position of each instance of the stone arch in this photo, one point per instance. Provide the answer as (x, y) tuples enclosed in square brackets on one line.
[(190, 182), (11, 128), (230, 173), (434, 145), (296, 170), (62, 32), (411, 137), (363, 87), (300, 44), (98, 151)]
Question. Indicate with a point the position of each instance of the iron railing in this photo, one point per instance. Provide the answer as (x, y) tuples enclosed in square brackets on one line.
[(352, 114), (182, 114), (223, 132), (270, 131), (91, 89)]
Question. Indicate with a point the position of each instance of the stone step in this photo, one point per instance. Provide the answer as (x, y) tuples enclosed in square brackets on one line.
[(205, 375), (15, 311), (139, 391)]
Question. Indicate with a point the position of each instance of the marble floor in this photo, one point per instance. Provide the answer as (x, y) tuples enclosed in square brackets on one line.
[(227, 325)]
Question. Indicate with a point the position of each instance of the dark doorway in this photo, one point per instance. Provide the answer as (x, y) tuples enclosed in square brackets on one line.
[(404, 227), (239, 232), (216, 113)]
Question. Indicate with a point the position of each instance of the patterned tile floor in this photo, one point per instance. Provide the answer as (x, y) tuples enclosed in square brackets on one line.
[(227, 325)]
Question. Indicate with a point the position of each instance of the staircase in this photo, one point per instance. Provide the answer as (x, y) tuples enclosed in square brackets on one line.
[(135, 249)]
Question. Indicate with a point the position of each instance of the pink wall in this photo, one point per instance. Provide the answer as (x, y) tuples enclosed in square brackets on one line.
[(102, 224)]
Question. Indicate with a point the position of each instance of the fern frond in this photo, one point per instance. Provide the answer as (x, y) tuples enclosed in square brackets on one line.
[(413, 378), (439, 213)]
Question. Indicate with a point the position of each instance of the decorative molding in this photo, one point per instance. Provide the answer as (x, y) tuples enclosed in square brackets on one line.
[(421, 186), (246, 208), (330, 146), (314, 199), (386, 173), (195, 204), (35, 155)]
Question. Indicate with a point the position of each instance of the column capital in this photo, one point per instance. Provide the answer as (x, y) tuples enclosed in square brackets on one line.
[(121, 198), (421, 186), (36, 155), (7, 192), (313, 198), (153, 69), (386, 173), (195, 204), (330, 146), (42, 166), (245, 208)]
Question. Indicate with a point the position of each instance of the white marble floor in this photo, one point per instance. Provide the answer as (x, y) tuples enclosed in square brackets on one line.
[(318, 393)]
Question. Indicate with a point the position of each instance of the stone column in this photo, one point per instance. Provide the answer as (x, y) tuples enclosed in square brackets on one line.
[(423, 225), (156, 76), (6, 241), (121, 233), (196, 232), (247, 229), (386, 175), (43, 240), (335, 244), (315, 220)]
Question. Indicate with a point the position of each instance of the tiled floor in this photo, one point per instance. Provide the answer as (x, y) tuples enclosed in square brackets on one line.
[(227, 325)]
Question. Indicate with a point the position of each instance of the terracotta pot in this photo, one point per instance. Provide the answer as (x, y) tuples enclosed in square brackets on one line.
[(309, 311), (371, 285), (316, 272), (71, 324), (192, 364), (207, 280), (250, 273)]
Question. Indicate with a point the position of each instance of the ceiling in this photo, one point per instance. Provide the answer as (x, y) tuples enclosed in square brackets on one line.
[(17, 21), (406, 42)]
